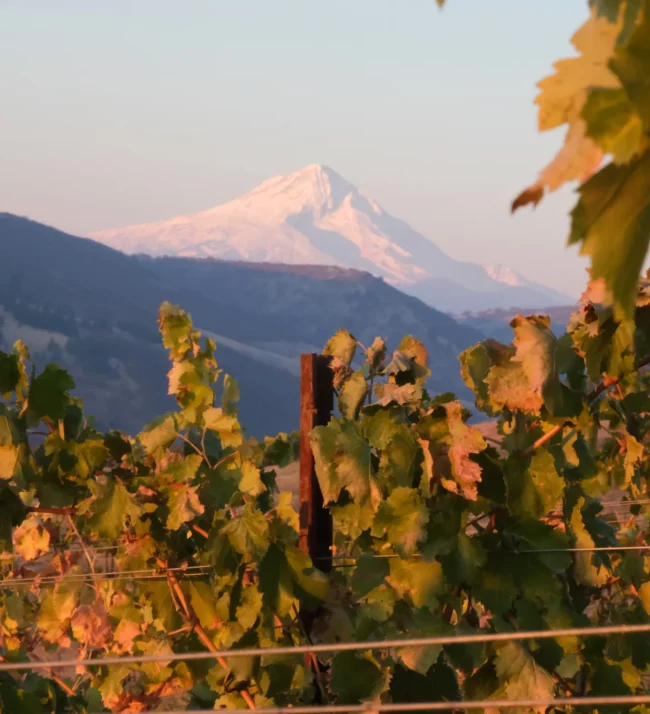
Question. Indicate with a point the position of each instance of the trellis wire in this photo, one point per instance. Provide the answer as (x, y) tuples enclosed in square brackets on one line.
[(515, 551), (371, 707), (146, 574), (331, 647), (56, 550), (110, 575)]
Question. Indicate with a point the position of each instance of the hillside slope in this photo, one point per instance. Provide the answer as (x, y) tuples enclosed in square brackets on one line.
[(94, 309), (296, 309)]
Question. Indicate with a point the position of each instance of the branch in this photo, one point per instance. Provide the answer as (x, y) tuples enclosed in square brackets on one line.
[(544, 439), (200, 531), (205, 453), (91, 562), (476, 521), (224, 459), (190, 443), (311, 658), (70, 691), (52, 510), (611, 381), (189, 616)]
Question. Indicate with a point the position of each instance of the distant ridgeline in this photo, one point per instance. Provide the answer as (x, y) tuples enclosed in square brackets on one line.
[(93, 309)]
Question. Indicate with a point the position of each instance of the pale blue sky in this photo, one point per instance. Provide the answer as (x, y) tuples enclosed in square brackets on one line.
[(116, 112)]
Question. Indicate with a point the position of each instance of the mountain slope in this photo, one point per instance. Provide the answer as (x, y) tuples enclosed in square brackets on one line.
[(315, 216), (293, 309), (94, 309)]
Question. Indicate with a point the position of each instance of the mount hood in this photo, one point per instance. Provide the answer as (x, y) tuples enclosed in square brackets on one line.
[(314, 216)]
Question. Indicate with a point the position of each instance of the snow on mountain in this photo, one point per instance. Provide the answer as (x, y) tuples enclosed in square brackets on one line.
[(315, 216), (504, 275)]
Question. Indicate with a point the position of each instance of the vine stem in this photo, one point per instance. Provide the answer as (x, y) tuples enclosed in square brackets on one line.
[(52, 510), (205, 455), (311, 657), (70, 691), (194, 446), (476, 521), (544, 439), (189, 616), (91, 562), (224, 459), (200, 531)]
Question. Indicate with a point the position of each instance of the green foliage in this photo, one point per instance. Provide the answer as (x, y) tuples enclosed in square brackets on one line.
[(437, 530), (190, 493), (442, 533), (603, 95)]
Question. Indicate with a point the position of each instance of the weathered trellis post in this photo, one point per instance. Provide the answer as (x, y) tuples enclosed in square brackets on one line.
[(316, 404), (316, 533)]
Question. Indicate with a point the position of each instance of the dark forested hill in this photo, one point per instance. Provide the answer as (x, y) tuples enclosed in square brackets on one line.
[(94, 310)]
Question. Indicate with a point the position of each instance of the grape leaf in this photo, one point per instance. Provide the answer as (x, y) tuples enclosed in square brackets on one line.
[(310, 584), (369, 573), (588, 570), (159, 435), (202, 599), (521, 677), (342, 346), (177, 332), (225, 425), (229, 395), (90, 625), (9, 374), (352, 395), (611, 222), (288, 579), (31, 539), (184, 505), (191, 387), (57, 607), (249, 533), (533, 491), (644, 596), (250, 607), (419, 580), (631, 64), (561, 99), (613, 123), (376, 354), (343, 460), (8, 460), (465, 442), (398, 462), (251, 483), (48, 394), (112, 508), (402, 518), (356, 677)]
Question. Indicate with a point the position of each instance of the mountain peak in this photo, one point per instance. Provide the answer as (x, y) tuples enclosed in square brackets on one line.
[(505, 275), (315, 189), (314, 216)]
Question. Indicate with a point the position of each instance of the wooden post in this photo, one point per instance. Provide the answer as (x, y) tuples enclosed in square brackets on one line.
[(316, 404)]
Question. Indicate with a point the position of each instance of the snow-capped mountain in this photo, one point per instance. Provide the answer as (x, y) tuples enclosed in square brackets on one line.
[(504, 275), (315, 216)]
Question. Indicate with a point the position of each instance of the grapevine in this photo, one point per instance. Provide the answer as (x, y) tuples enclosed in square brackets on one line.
[(175, 542)]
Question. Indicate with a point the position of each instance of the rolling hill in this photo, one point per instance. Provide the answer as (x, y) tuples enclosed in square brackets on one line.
[(93, 309)]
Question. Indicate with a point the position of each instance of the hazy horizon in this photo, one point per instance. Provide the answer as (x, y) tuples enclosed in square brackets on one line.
[(119, 114)]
